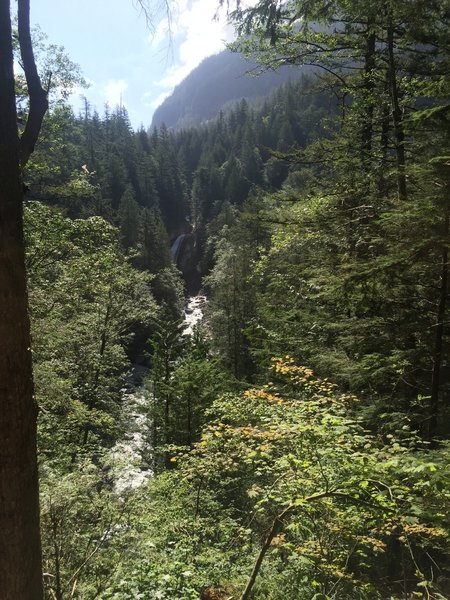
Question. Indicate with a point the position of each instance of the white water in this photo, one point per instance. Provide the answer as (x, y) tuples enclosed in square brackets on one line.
[(193, 313), (125, 458)]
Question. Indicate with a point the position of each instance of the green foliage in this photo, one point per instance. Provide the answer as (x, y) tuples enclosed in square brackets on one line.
[(293, 450), (184, 380), (174, 555), (60, 76), (231, 303), (85, 532), (129, 219), (85, 301)]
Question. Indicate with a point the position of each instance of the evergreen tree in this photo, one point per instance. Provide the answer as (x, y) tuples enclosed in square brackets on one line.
[(231, 303), (170, 184), (129, 219)]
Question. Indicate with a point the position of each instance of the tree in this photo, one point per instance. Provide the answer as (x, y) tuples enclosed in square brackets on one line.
[(20, 567), (368, 250), (287, 496), (129, 217), (167, 345), (170, 183), (230, 307)]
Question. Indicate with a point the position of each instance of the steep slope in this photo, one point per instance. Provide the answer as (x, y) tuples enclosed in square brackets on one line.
[(219, 80)]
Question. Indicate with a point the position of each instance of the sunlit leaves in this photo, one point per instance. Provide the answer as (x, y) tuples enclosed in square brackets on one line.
[(295, 445)]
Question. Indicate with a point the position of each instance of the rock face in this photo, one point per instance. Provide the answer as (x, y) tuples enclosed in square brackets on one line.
[(185, 257)]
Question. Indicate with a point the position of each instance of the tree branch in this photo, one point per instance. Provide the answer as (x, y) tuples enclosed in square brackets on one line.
[(279, 522), (38, 96)]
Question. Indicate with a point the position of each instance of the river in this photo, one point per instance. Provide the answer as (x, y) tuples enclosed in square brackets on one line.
[(128, 469)]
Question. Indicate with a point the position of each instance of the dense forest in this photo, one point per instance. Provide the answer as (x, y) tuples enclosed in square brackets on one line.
[(294, 442)]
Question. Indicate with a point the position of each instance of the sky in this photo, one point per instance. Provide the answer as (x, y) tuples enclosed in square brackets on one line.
[(125, 60)]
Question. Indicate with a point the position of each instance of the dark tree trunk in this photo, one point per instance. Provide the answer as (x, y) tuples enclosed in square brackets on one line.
[(190, 433), (397, 117), (37, 95), (94, 389), (277, 526), (20, 552), (384, 140)]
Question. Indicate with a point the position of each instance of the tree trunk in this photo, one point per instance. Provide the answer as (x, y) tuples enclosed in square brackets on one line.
[(20, 552), (384, 140), (275, 529), (94, 389), (397, 117), (37, 95), (277, 526)]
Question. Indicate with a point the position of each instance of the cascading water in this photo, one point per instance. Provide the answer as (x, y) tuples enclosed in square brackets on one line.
[(193, 313), (125, 460)]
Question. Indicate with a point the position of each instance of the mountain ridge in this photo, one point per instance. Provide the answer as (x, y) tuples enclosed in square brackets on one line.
[(216, 83)]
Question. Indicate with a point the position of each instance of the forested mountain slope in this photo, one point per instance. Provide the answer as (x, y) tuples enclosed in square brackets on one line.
[(214, 85)]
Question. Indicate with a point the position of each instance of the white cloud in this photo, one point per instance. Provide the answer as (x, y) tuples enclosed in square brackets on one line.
[(81, 90), (160, 34), (196, 34), (114, 90)]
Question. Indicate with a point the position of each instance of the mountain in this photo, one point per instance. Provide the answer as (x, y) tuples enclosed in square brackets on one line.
[(218, 81)]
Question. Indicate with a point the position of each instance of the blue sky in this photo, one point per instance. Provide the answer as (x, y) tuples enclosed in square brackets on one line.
[(121, 57)]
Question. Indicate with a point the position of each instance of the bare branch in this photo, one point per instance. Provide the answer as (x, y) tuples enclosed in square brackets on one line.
[(152, 10), (278, 524), (155, 12)]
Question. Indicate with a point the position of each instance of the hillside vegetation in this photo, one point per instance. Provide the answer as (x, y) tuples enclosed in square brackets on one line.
[(218, 82)]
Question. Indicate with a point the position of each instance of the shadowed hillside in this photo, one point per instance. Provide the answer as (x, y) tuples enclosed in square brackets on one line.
[(218, 81)]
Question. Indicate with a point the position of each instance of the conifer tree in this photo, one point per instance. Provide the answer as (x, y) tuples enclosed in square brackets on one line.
[(129, 219)]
